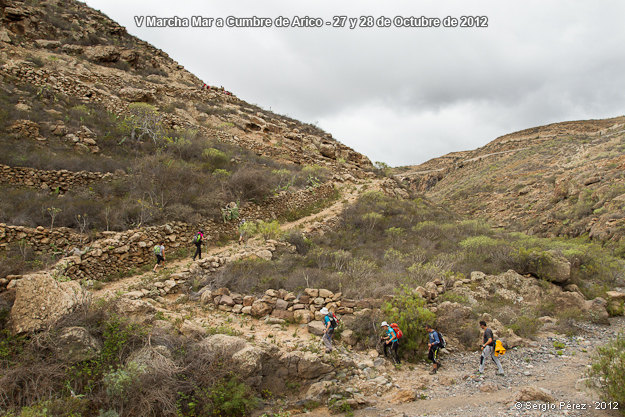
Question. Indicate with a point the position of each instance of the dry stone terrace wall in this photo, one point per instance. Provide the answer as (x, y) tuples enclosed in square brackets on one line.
[(62, 180), (115, 252), (39, 239)]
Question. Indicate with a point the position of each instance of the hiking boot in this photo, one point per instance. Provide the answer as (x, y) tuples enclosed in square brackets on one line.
[(433, 371), (501, 374)]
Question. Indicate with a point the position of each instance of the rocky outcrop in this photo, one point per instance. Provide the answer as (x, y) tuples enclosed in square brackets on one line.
[(76, 344), (41, 300)]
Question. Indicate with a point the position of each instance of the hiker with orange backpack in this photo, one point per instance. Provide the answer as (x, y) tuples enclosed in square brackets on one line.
[(391, 340)]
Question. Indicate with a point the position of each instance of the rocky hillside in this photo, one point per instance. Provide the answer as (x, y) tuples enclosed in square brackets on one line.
[(64, 47), (563, 179)]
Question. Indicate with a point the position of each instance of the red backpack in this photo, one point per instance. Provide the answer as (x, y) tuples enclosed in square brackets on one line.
[(398, 332)]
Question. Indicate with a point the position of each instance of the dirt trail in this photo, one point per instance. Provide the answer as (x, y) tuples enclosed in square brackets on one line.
[(456, 390), (349, 193)]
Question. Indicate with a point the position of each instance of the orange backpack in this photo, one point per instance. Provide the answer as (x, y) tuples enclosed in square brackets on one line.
[(398, 332)]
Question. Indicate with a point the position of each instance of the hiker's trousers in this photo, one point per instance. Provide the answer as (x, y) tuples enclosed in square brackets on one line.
[(327, 339), (490, 351), (198, 252)]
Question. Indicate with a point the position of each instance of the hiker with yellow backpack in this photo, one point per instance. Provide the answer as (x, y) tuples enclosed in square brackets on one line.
[(490, 347)]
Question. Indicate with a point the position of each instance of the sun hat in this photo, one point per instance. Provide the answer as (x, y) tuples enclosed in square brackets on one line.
[(384, 324), (324, 311)]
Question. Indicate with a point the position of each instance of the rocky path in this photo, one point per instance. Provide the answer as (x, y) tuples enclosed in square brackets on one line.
[(349, 193), (533, 375)]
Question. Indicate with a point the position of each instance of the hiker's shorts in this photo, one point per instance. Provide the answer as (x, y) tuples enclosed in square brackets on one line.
[(159, 259)]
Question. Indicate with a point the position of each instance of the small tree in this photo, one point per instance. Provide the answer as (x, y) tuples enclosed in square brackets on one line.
[(408, 310), (53, 212)]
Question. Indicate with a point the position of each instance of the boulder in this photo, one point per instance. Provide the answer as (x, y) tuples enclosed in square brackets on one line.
[(318, 391), (248, 361), (597, 310), (134, 309), (616, 295), (349, 337), (75, 344), (261, 308), (534, 394), (221, 344), (405, 396), (154, 359), (328, 150), (548, 265), (302, 316), (311, 292), (489, 387), (136, 95), (316, 327), (192, 329), (326, 293), (40, 301), (103, 53), (569, 301), (206, 297)]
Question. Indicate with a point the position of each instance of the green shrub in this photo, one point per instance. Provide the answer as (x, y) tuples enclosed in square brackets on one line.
[(232, 398), (408, 310), (269, 230), (608, 370), (525, 326), (615, 308)]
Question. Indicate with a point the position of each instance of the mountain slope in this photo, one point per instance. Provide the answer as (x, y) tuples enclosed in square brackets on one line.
[(563, 179), (64, 47)]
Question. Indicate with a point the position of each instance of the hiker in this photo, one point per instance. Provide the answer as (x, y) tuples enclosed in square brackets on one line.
[(242, 231), (197, 241), (488, 349), (330, 324), (159, 251), (434, 344), (391, 341)]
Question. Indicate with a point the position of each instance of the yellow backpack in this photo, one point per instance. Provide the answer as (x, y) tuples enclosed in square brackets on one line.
[(499, 349)]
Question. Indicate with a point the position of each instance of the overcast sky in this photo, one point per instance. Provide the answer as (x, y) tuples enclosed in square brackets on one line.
[(405, 95)]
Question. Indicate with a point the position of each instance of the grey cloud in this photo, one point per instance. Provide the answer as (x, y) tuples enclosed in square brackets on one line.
[(406, 95)]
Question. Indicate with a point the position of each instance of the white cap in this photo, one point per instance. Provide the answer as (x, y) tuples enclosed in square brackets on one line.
[(324, 311), (384, 324)]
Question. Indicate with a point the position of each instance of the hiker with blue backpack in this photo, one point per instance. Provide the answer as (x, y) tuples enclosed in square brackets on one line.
[(159, 252), (391, 340), (435, 343), (197, 241), (330, 323)]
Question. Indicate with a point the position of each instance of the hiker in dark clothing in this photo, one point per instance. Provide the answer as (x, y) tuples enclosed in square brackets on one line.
[(159, 251), (488, 349), (434, 344), (197, 241), (391, 342)]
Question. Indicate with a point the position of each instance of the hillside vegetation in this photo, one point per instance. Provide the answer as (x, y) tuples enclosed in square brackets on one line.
[(564, 179)]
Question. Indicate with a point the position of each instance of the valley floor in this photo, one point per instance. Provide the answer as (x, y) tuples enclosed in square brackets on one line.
[(456, 390)]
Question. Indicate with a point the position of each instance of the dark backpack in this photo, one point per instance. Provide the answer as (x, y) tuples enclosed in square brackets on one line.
[(197, 239), (333, 322), (442, 344)]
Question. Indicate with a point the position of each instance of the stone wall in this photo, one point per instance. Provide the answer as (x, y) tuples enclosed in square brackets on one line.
[(285, 305), (116, 252), (62, 180)]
